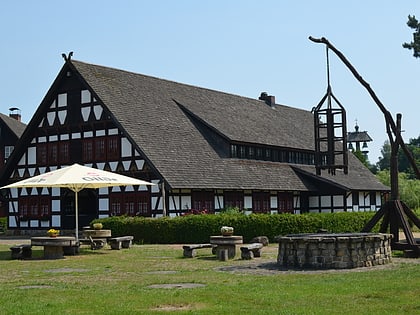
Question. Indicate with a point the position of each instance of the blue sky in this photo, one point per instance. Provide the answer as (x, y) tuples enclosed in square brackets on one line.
[(239, 47)]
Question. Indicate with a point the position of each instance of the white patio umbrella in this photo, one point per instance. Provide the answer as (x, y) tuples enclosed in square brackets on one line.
[(77, 177)]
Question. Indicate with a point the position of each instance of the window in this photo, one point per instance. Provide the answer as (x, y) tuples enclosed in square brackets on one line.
[(251, 152), (202, 200), (261, 202), (273, 154), (233, 151), (44, 207), (267, 154), (113, 149), (285, 202), (355, 198), (53, 153), (87, 150), (115, 204), (372, 197), (101, 148), (34, 207), (143, 208), (242, 151), (130, 203), (64, 154), (8, 149), (41, 154), (234, 199)]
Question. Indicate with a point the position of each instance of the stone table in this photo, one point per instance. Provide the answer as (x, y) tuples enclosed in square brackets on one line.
[(97, 234), (226, 243), (53, 246)]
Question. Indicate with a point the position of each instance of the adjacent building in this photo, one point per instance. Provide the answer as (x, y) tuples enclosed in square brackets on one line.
[(206, 150), (11, 129)]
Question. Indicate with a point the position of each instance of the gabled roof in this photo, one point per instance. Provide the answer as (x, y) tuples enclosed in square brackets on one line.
[(359, 178), (156, 114), (14, 125), (162, 117), (358, 136)]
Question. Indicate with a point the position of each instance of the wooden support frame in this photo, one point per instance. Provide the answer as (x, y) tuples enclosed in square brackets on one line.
[(393, 212)]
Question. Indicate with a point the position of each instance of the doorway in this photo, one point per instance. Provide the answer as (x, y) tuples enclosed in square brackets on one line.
[(88, 208)]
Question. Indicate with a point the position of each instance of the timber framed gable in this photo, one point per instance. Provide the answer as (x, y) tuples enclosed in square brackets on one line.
[(72, 125)]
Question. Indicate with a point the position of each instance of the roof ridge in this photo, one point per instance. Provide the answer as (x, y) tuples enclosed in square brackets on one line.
[(182, 83)]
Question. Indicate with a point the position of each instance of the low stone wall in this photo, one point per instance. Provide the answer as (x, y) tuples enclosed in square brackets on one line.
[(334, 251)]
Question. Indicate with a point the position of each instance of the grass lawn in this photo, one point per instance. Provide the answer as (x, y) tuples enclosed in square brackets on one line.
[(126, 282)]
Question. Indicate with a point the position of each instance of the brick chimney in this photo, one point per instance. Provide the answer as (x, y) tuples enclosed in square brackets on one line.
[(14, 113), (270, 100)]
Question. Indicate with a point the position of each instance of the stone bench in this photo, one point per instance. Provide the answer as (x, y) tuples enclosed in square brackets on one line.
[(120, 242), (22, 251), (190, 250), (251, 250)]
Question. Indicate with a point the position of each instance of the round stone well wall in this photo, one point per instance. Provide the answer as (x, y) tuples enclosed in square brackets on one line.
[(334, 251)]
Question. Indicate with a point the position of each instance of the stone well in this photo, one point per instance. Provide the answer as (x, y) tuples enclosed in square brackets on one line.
[(334, 251)]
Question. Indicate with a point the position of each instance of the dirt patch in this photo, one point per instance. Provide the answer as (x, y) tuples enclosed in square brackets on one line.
[(175, 308), (273, 268), (176, 286), (161, 272), (65, 270), (36, 287)]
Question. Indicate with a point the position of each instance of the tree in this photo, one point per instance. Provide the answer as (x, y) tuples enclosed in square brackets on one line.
[(385, 161), (409, 188), (403, 164), (415, 44)]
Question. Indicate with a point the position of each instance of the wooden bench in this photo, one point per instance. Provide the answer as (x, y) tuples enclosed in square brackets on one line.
[(22, 251), (120, 242), (251, 250), (190, 250)]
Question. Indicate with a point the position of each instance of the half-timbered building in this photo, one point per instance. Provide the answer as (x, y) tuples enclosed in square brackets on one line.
[(11, 128), (206, 150)]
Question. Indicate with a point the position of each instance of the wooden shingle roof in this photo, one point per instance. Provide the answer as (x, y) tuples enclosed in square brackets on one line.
[(153, 113), (14, 125)]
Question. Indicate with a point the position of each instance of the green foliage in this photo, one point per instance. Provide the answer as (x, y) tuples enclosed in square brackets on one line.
[(409, 188), (385, 160), (415, 44), (362, 158), (232, 210), (199, 228), (403, 163), (3, 224)]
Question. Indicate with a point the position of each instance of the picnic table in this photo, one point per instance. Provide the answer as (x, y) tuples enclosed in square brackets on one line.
[(225, 244), (53, 246), (95, 238)]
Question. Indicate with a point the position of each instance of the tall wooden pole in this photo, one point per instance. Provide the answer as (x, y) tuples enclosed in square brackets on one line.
[(395, 145)]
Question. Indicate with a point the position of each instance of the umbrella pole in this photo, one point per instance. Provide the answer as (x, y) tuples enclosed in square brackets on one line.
[(77, 216)]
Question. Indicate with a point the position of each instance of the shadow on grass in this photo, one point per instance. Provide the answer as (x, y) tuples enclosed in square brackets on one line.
[(38, 254), (205, 257)]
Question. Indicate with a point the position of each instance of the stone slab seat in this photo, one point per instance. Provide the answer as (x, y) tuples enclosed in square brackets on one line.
[(120, 242), (22, 251), (190, 250), (251, 250)]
